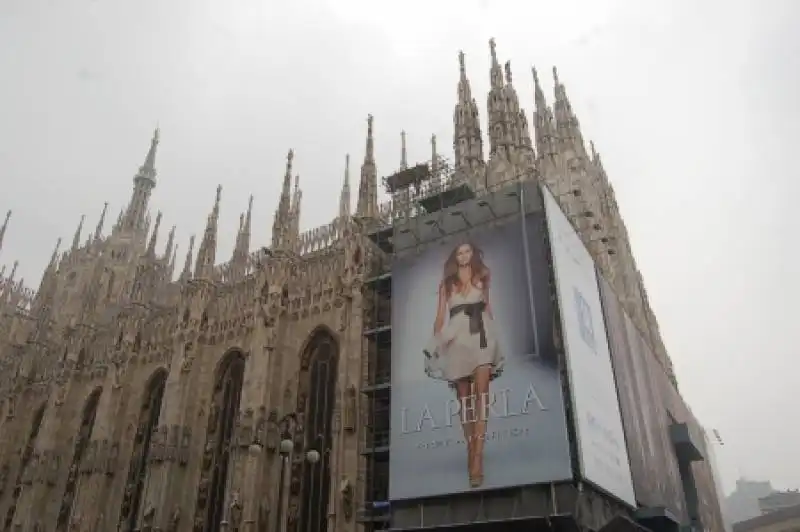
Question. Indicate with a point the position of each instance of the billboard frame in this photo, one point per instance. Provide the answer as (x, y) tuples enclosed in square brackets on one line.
[(575, 436)]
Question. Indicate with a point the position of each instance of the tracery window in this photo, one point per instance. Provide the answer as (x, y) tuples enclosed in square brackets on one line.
[(137, 470), (316, 404), (81, 442), (27, 454), (223, 410)]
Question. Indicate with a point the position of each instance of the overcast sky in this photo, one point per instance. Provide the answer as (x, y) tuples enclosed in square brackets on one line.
[(693, 105)]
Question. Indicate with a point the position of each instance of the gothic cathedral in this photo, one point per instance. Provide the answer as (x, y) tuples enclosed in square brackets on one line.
[(137, 393)]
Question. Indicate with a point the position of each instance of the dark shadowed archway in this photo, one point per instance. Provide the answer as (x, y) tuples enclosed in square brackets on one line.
[(25, 460), (311, 483), (222, 412), (81, 441), (149, 414)]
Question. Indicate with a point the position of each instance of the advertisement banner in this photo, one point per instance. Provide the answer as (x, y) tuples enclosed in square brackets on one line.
[(653, 463), (477, 401), (603, 455)]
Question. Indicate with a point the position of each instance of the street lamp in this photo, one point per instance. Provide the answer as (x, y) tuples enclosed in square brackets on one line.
[(285, 449)]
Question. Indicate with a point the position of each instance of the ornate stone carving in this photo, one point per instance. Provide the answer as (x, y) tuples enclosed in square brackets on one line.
[(246, 430), (273, 436), (260, 431), (235, 513), (186, 440), (11, 407), (53, 466), (148, 518), (75, 522), (172, 443), (350, 409), (174, 519), (119, 375), (87, 463), (111, 459), (158, 444), (347, 499), (61, 394)]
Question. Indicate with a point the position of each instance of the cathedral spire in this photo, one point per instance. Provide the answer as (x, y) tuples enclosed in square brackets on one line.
[(172, 262), (369, 154), (76, 240), (143, 184), (286, 198), (344, 197), (149, 166), (434, 155), (500, 126), (543, 125), (241, 249), (403, 154), (43, 294), (467, 138), (248, 221), (495, 72), (98, 231), (151, 247), (521, 146), (297, 200), (207, 253), (4, 228), (281, 222), (10, 277), (54, 257), (367, 206), (567, 124), (169, 250), (186, 274)]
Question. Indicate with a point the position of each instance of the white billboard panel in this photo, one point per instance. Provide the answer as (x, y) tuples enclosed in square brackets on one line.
[(603, 455)]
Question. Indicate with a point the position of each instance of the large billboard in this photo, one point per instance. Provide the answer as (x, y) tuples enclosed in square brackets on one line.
[(644, 414), (603, 456), (477, 400)]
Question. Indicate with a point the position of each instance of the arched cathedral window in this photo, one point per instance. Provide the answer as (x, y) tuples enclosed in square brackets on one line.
[(81, 442), (222, 413), (137, 470), (315, 404), (27, 454)]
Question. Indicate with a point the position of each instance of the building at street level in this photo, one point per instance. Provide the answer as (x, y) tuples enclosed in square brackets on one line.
[(143, 391)]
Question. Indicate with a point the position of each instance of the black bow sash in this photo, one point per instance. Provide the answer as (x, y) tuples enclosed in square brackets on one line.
[(474, 311)]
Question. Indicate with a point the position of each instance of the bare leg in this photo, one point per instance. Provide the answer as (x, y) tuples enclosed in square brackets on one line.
[(462, 393), (481, 380)]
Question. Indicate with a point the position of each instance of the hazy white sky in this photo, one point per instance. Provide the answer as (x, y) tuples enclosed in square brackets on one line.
[(693, 106)]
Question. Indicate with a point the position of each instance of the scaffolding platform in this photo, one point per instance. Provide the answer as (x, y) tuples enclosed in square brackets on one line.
[(493, 206)]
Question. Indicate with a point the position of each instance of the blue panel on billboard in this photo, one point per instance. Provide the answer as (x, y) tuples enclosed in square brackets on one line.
[(477, 401), (598, 423)]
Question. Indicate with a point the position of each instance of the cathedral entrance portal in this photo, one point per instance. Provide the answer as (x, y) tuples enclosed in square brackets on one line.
[(137, 470), (311, 482), (223, 411)]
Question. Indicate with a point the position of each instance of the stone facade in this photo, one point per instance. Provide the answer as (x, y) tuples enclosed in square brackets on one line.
[(135, 394)]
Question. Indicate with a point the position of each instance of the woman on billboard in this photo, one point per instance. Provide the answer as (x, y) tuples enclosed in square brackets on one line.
[(464, 350)]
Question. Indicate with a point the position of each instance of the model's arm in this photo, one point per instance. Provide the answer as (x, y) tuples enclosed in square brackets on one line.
[(441, 309), (486, 284)]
